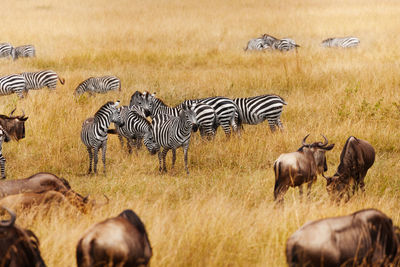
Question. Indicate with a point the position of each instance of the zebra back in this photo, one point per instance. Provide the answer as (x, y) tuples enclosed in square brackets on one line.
[(98, 85), (284, 44), (5, 49), (14, 83), (40, 79), (344, 42), (23, 51)]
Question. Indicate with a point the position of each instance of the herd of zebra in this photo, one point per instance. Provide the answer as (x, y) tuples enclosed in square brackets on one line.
[(268, 42), (171, 127), (7, 50)]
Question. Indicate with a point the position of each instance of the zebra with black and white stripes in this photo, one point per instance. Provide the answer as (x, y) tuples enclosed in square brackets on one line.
[(136, 127), (343, 42), (101, 85), (40, 79), (4, 137), (5, 49), (172, 132), (261, 43), (205, 114), (23, 51), (255, 110), (284, 44), (94, 132), (14, 83)]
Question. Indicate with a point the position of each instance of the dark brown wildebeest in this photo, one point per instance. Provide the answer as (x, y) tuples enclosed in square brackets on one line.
[(14, 125), (366, 238), (18, 247), (42, 182), (27, 200), (120, 241), (356, 158), (296, 168)]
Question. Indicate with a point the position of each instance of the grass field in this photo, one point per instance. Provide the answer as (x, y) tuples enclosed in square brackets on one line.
[(223, 213)]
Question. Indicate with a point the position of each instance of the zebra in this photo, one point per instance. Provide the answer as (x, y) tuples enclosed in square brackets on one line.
[(98, 85), (5, 49), (136, 127), (343, 42), (94, 132), (4, 137), (40, 79), (284, 44), (255, 110), (261, 43), (172, 132), (23, 51), (205, 114), (14, 83)]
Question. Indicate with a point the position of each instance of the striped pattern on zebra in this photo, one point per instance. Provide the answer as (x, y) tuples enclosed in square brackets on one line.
[(255, 110), (94, 132), (205, 114), (261, 43), (23, 51), (343, 42), (172, 132), (4, 137), (136, 127), (5, 49), (40, 79), (284, 44), (101, 85), (14, 83)]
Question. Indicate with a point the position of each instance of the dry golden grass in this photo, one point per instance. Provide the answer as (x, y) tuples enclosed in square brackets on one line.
[(223, 213)]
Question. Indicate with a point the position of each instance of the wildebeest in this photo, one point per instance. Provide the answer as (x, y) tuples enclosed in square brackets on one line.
[(119, 241), (18, 247), (42, 182), (356, 158), (366, 237), (14, 125), (27, 200), (296, 168)]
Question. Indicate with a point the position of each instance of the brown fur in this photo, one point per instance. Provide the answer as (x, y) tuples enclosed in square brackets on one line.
[(27, 200), (366, 238), (14, 125), (121, 241)]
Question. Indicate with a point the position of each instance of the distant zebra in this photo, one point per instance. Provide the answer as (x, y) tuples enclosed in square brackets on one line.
[(136, 127), (205, 114), (5, 49), (343, 42), (261, 43), (40, 79), (172, 132), (94, 132), (255, 110), (23, 51), (98, 85), (14, 83), (4, 137), (285, 44)]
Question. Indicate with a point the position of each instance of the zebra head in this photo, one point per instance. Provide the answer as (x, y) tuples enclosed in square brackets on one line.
[(116, 114), (150, 143), (189, 115), (149, 103)]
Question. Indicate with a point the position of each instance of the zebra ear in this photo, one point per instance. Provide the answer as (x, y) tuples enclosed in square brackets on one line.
[(153, 94)]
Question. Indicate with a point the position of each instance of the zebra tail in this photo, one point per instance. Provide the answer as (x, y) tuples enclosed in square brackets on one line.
[(119, 88), (62, 80), (112, 131)]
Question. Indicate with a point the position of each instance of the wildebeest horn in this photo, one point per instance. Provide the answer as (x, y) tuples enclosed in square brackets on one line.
[(9, 222), (304, 140), (85, 199), (325, 143), (12, 112)]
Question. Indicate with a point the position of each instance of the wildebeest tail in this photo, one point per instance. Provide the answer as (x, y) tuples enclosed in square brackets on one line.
[(277, 170)]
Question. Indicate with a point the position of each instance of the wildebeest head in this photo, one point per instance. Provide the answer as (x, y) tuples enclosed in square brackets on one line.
[(334, 186), (14, 125), (318, 150)]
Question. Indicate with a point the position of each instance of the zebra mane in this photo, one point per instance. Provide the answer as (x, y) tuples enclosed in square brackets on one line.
[(102, 109)]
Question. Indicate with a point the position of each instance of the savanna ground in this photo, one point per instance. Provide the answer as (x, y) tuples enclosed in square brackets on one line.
[(223, 213)]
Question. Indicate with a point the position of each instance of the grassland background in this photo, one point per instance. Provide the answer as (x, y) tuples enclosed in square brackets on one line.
[(223, 213)]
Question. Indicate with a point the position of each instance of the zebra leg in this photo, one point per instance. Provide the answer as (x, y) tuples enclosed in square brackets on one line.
[(138, 143), (173, 157), (3, 167), (280, 125), (96, 159), (272, 125), (227, 129), (185, 156), (103, 150), (89, 149), (20, 93), (164, 155), (121, 140), (129, 144), (159, 160)]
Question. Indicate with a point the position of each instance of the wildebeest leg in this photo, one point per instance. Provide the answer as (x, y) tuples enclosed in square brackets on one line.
[(279, 191), (301, 191), (309, 185), (173, 158), (96, 159), (89, 149), (3, 167), (103, 150)]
